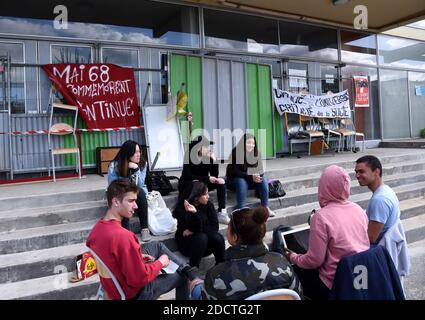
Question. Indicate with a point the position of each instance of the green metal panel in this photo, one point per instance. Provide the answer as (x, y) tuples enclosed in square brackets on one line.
[(260, 108), (278, 131), (89, 142), (187, 70)]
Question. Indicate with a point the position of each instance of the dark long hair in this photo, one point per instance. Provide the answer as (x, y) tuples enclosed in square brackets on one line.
[(249, 224), (192, 191), (127, 150), (239, 152)]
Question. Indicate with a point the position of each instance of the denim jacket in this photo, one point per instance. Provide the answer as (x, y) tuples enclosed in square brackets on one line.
[(136, 176)]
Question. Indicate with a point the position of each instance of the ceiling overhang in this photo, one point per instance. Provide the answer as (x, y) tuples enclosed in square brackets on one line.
[(382, 15)]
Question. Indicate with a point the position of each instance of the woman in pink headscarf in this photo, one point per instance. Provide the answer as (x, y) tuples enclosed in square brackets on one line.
[(338, 229)]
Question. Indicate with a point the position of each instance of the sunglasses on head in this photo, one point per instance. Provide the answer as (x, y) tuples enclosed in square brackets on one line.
[(233, 221)]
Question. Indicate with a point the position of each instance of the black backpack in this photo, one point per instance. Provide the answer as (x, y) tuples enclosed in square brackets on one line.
[(158, 181), (276, 189)]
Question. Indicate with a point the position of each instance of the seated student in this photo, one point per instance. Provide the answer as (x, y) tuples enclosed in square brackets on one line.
[(129, 164), (338, 229), (245, 171), (197, 226), (119, 249), (201, 164), (249, 267)]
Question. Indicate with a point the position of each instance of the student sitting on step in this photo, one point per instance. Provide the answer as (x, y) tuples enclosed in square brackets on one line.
[(338, 229), (249, 267), (200, 163), (245, 172), (129, 164), (136, 269), (197, 233)]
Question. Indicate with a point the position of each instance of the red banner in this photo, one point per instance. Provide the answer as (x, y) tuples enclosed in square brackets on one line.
[(362, 91), (104, 93)]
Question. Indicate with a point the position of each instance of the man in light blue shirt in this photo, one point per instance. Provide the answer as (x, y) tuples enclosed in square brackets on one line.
[(383, 209)]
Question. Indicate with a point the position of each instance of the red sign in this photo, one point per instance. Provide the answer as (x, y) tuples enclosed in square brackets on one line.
[(362, 91), (104, 93)]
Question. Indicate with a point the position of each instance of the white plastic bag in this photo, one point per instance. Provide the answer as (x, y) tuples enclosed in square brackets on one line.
[(160, 219)]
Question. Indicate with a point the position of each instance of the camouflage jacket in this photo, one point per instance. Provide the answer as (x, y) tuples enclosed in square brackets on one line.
[(248, 270)]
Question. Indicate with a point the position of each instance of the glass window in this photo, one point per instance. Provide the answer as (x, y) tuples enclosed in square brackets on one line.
[(366, 118), (247, 33), (358, 47), (417, 101), (309, 41), (136, 21), (164, 78), (298, 77), (123, 58), (395, 109), (400, 52), (329, 79), (70, 54), (17, 84)]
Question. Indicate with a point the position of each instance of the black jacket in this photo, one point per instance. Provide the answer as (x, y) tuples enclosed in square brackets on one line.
[(201, 169), (204, 220), (235, 170)]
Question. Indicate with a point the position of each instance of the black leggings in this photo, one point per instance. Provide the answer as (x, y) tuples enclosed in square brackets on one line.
[(142, 211), (221, 194), (201, 244), (313, 286)]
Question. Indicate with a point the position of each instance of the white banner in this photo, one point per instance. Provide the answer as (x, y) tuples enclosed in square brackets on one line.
[(327, 106)]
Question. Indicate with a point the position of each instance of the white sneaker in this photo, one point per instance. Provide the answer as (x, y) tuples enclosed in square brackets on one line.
[(145, 235), (223, 217), (271, 213)]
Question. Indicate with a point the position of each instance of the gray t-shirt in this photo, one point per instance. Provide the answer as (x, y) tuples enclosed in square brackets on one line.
[(384, 207)]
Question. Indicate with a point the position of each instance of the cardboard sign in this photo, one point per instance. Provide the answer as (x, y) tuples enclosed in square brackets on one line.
[(104, 93)]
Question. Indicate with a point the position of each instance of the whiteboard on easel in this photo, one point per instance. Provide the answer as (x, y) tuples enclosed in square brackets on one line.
[(164, 137)]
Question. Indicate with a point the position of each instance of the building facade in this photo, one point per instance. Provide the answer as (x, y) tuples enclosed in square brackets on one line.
[(228, 61)]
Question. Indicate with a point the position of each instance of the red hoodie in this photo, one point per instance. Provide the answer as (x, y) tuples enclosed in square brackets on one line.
[(120, 250)]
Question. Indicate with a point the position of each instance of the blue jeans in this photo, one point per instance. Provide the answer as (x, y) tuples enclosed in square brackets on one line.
[(167, 282), (241, 187)]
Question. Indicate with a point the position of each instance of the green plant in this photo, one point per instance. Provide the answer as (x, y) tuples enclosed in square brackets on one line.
[(423, 133)]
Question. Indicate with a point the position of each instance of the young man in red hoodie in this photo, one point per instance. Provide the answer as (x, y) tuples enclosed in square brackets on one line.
[(136, 270)]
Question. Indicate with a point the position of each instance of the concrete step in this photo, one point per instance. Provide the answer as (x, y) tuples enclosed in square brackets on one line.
[(389, 173), (51, 199), (57, 286), (94, 191), (76, 232), (411, 143), (54, 287), (39, 263), (414, 283), (414, 228), (38, 217), (349, 165), (18, 219)]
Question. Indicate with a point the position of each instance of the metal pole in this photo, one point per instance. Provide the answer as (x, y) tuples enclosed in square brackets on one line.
[(9, 108), (146, 95)]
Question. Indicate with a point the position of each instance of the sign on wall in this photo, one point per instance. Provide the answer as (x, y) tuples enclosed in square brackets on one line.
[(104, 93), (362, 91), (420, 90), (329, 106)]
